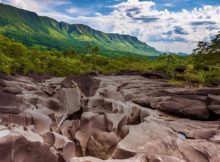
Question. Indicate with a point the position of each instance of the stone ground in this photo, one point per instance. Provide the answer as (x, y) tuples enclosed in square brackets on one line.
[(107, 118)]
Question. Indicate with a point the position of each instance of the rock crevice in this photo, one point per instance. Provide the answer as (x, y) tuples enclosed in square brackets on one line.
[(107, 118)]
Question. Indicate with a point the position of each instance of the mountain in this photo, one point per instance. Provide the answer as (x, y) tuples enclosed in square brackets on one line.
[(178, 54), (182, 54), (44, 32)]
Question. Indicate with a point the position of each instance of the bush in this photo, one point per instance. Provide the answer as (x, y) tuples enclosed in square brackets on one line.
[(6, 64)]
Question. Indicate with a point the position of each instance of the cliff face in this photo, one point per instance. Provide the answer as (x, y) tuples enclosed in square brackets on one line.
[(113, 118), (33, 30)]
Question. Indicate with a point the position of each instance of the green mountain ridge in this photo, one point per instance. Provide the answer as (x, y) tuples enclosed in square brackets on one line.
[(44, 32)]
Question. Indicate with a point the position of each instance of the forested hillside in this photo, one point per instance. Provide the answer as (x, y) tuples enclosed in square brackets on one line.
[(18, 58), (43, 32)]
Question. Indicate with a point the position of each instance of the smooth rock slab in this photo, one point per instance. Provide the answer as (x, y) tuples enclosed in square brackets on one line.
[(181, 106)]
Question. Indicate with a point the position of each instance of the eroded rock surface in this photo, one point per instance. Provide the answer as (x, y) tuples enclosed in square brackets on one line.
[(107, 118)]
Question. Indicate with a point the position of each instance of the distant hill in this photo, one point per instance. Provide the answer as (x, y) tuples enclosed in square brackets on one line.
[(182, 54), (44, 32)]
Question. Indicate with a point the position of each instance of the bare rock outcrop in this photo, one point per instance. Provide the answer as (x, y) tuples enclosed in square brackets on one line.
[(116, 118), (86, 84)]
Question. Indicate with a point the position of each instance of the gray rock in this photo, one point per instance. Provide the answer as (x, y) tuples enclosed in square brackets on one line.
[(86, 84), (123, 119), (71, 99), (19, 149), (215, 108), (181, 106), (13, 90)]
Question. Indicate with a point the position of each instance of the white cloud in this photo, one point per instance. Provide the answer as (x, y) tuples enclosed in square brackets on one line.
[(177, 31), (79, 11), (42, 7), (74, 10), (36, 5), (57, 15), (169, 4)]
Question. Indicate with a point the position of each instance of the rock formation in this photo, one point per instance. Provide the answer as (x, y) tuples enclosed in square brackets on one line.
[(118, 118)]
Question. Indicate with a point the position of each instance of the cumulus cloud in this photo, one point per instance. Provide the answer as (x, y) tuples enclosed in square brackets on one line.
[(161, 28), (36, 5), (79, 11), (42, 7)]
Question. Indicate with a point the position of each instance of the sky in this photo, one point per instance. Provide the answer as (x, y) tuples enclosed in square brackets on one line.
[(167, 25)]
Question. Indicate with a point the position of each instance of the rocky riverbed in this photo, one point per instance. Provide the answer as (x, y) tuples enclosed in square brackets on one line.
[(107, 118)]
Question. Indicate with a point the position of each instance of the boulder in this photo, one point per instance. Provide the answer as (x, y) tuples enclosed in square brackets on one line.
[(102, 145), (50, 90), (215, 82), (112, 94), (10, 103), (8, 99), (55, 140), (21, 119), (6, 77), (3, 83), (214, 104), (215, 109), (115, 121), (40, 78), (199, 150), (214, 99), (10, 109), (19, 149), (70, 98), (94, 73), (193, 129), (86, 84), (12, 89), (205, 91), (180, 69), (147, 138), (181, 106), (69, 151), (41, 121), (130, 72), (156, 75), (90, 124), (54, 105)]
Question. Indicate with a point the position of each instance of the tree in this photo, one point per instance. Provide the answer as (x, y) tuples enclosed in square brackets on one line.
[(208, 53), (88, 47), (95, 52), (6, 64), (69, 52)]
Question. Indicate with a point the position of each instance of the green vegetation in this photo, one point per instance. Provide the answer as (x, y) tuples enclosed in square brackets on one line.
[(192, 74), (30, 44), (17, 58), (46, 33), (208, 53)]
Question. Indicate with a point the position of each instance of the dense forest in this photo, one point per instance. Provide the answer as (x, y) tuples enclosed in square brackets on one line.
[(201, 67)]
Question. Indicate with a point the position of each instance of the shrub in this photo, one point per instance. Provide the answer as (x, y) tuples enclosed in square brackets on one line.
[(6, 64)]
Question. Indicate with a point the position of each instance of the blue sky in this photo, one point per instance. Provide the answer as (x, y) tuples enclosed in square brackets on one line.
[(174, 25), (102, 6)]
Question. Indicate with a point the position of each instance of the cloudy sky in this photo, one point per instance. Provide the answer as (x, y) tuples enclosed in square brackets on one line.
[(168, 25)]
